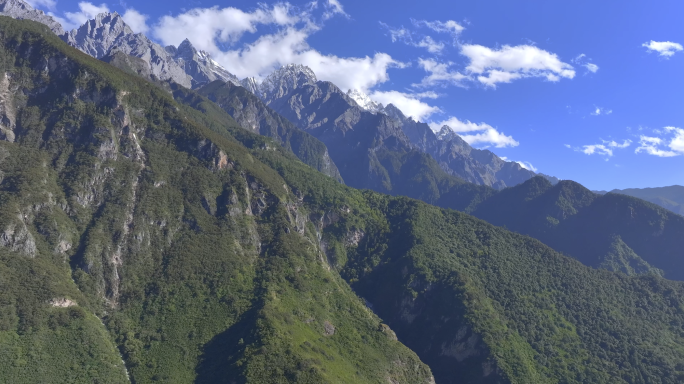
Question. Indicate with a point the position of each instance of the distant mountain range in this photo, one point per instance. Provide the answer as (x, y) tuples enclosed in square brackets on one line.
[(671, 198), (107, 37)]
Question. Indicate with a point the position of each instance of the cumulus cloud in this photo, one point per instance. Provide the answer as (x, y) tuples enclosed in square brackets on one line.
[(218, 30), (86, 12), (409, 104), (583, 61), (474, 133), (664, 48), (136, 20), (601, 111), (493, 66), (439, 74), (671, 146)]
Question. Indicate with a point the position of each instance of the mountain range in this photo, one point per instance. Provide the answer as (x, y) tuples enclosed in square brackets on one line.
[(671, 198), (215, 230)]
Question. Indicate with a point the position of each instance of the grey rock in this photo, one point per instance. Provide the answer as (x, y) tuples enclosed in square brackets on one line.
[(199, 65), (456, 157), (285, 80), (250, 84), (108, 32), (21, 10), (97, 37)]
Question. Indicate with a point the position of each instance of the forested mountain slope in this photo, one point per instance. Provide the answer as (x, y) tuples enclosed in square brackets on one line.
[(612, 231), (671, 197), (212, 254), (202, 263)]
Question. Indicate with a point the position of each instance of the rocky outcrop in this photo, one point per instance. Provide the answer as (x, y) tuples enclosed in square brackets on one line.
[(22, 10), (199, 65)]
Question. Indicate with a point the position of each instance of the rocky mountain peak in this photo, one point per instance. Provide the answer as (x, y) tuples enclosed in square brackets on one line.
[(199, 64), (392, 111), (251, 84), (19, 9), (284, 80), (446, 133), (98, 36), (364, 101), (186, 50)]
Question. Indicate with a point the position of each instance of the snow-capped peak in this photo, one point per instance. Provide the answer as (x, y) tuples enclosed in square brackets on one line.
[(364, 101)]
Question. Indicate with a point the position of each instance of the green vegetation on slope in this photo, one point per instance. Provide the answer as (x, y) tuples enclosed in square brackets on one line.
[(212, 254), (175, 235), (613, 231)]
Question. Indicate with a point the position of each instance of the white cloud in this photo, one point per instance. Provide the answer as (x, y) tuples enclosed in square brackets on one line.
[(615, 144), (397, 34), (217, 30), (86, 12), (448, 26), (593, 68), (439, 74), (650, 146), (656, 145), (601, 111), (582, 59), (406, 36), (475, 133), (527, 165), (49, 4), (509, 63), (598, 149), (605, 149), (207, 26), (677, 143), (333, 7), (136, 20), (409, 104), (664, 48), (431, 45)]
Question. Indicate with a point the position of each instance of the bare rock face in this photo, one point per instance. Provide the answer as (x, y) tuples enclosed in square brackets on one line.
[(329, 329), (98, 36), (284, 81), (108, 33), (21, 10), (250, 84), (199, 65)]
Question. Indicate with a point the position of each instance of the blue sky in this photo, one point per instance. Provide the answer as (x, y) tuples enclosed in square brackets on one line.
[(584, 90)]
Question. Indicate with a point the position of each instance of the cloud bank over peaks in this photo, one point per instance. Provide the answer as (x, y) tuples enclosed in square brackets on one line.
[(218, 30), (665, 49), (670, 146), (410, 104), (476, 134)]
